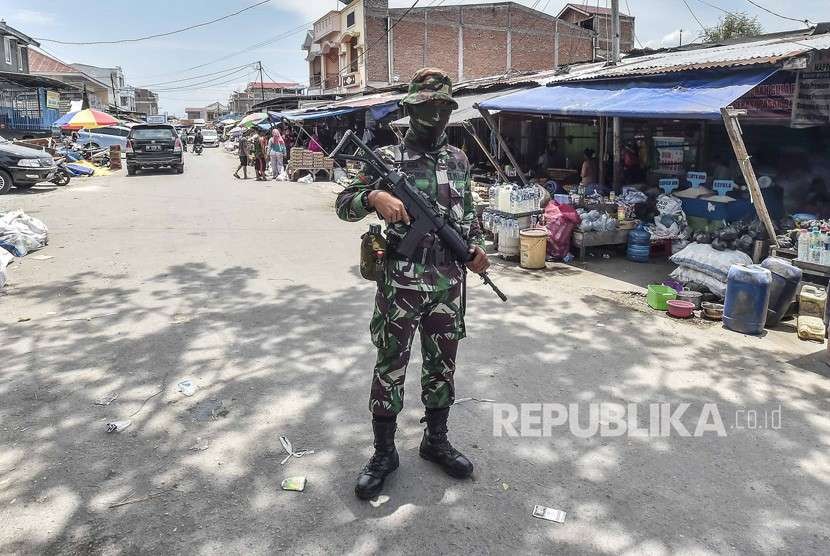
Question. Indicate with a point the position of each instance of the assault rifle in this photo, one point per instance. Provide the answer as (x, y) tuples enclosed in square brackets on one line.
[(423, 216)]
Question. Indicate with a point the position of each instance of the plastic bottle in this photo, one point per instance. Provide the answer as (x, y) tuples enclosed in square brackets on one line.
[(824, 254), (816, 245), (803, 245)]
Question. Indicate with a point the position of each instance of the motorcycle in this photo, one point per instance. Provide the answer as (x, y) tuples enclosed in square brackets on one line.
[(62, 175), (197, 148)]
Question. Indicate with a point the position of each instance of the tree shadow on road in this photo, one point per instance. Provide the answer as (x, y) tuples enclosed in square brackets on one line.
[(296, 360)]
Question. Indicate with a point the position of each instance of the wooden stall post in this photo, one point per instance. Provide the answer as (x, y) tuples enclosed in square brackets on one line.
[(469, 128), (733, 128), (488, 118)]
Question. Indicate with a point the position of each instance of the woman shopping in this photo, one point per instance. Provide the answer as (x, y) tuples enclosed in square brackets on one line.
[(276, 150)]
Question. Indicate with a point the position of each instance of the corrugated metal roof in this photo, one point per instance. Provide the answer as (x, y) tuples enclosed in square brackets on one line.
[(761, 52)]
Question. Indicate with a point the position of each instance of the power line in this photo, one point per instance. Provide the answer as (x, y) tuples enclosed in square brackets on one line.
[(193, 86), (385, 34), (138, 39), (288, 79), (704, 2), (286, 34), (688, 7), (776, 14), (627, 7), (148, 85)]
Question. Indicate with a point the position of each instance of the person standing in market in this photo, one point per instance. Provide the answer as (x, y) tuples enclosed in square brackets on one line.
[(276, 150), (424, 292), (260, 148), (244, 153)]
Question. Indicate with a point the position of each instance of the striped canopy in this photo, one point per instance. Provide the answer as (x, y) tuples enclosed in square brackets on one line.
[(85, 119), (253, 119)]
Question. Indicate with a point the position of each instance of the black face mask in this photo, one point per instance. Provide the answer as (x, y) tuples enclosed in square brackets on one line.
[(427, 123)]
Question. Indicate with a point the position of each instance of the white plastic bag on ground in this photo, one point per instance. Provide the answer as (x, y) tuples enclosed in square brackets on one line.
[(21, 233), (5, 259), (308, 178), (282, 176)]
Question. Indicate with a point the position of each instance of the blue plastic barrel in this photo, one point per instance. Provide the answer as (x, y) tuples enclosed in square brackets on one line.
[(747, 298), (784, 288), (639, 244)]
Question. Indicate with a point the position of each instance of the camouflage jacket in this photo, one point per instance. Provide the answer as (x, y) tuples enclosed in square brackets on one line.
[(454, 199)]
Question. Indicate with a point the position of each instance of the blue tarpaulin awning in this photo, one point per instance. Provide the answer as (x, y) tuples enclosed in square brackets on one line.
[(690, 96), (318, 115)]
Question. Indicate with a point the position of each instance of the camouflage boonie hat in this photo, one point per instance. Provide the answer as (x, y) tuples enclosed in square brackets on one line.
[(429, 84)]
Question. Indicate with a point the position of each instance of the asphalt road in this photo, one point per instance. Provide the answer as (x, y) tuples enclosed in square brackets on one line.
[(251, 291)]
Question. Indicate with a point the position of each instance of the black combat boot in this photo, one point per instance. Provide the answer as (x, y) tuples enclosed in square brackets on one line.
[(382, 462), (435, 446)]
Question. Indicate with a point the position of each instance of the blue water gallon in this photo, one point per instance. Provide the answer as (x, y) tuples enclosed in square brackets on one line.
[(639, 244), (747, 298), (784, 287)]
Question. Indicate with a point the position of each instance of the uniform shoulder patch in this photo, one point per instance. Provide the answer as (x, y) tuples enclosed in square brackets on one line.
[(459, 156)]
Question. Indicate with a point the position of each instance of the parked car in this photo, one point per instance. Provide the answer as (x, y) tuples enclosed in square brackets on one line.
[(23, 167), (210, 138), (154, 146), (104, 136)]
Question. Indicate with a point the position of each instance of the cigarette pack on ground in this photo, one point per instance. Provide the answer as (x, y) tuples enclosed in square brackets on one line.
[(549, 514), (294, 483)]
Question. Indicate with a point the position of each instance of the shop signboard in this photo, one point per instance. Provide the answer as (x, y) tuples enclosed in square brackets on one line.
[(772, 100), (53, 99), (812, 93), (670, 154)]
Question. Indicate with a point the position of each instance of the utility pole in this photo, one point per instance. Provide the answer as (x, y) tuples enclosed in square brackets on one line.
[(261, 84), (681, 38), (617, 124), (114, 94)]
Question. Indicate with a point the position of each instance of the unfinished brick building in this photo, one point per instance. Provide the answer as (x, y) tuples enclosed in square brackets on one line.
[(366, 44)]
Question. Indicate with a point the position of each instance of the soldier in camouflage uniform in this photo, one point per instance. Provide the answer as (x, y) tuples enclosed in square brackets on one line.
[(422, 292)]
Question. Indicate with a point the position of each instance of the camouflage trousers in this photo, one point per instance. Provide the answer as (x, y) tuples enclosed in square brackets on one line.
[(398, 314)]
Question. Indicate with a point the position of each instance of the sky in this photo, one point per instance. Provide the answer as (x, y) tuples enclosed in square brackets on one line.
[(273, 33)]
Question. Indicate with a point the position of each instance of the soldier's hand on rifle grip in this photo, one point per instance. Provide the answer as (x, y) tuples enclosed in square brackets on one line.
[(390, 207), (480, 262)]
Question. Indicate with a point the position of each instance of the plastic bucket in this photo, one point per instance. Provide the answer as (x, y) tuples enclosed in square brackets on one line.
[(532, 248), (659, 295)]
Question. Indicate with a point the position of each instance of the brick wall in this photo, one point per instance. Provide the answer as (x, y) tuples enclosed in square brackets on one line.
[(485, 52), (408, 46), (376, 57), (485, 30), (443, 46)]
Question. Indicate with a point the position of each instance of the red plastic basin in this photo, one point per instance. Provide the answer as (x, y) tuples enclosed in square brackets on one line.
[(681, 309)]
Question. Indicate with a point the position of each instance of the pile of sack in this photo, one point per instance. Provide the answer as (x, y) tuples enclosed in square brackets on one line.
[(670, 222), (739, 236), (701, 267)]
